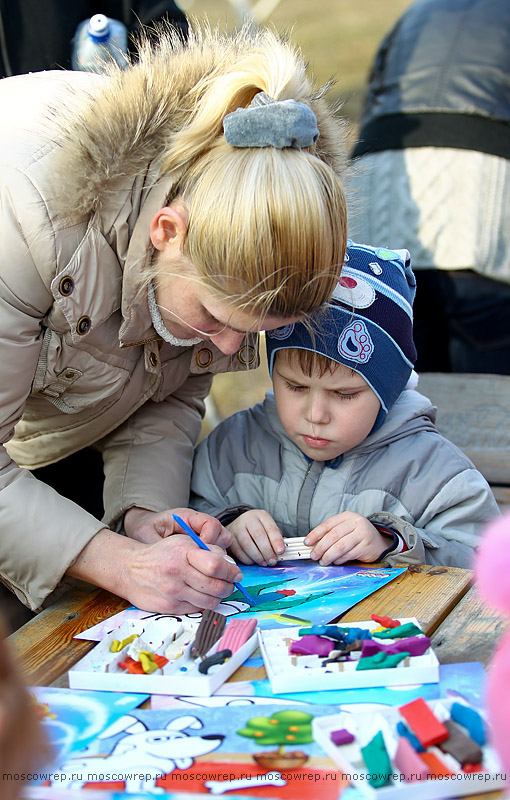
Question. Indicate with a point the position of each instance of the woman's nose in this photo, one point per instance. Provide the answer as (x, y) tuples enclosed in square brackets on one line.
[(228, 341)]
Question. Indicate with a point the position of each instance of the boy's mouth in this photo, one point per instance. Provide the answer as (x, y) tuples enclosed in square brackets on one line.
[(314, 441)]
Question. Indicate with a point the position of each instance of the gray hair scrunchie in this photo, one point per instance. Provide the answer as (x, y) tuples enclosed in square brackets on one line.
[(271, 123)]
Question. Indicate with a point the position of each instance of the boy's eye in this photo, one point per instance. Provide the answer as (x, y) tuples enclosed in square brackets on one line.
[(294, 387), (346, 396)]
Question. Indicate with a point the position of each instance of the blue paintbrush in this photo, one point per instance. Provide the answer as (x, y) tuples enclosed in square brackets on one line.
[(186, 528)]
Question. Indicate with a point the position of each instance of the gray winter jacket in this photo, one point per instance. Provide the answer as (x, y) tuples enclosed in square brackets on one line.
[(405, 476)]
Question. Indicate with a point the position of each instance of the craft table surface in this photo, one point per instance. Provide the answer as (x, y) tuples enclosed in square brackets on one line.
[(461, 626)]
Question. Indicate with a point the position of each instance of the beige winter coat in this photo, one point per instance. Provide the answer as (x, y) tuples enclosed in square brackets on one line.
[(80, 361)]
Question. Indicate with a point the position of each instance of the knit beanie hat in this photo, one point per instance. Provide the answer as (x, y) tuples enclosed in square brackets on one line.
[(367, 324)]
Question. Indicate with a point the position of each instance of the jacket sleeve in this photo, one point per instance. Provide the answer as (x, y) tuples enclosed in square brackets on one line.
[(148, 459), (212, 461), (41, 533), (448, 531)]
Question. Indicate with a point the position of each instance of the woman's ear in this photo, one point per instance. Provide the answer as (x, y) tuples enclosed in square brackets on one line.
[(169, 226)]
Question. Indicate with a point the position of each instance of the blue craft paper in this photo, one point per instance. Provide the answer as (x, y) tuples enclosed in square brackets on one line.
[(318, 594)]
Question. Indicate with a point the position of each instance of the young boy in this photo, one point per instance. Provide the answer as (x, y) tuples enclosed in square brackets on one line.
[(343, 451)]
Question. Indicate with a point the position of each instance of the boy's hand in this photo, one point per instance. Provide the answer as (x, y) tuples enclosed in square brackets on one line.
[(257, 538), (346, 537)]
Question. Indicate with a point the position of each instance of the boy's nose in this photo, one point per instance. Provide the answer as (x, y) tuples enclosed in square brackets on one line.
[(317, 409)]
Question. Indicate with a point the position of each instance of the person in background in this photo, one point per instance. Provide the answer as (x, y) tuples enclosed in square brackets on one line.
[(23, 746), (431, 169), (153, 220), (343, 451), (38, 36)]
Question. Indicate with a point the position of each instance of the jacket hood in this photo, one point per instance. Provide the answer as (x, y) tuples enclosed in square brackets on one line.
[(412, 413), (123, 123)]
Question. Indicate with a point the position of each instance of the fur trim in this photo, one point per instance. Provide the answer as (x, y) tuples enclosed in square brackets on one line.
[(129, 119)]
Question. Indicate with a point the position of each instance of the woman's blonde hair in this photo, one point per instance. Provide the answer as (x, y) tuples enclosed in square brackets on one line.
[(267, 227)]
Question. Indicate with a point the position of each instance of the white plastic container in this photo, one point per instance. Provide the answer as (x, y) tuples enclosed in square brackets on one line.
[(97, 42)]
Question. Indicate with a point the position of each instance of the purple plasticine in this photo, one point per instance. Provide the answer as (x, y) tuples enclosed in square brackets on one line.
[(312, 645), (415, 645), (341, 737)]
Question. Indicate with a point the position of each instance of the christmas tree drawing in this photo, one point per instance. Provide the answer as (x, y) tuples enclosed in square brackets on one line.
[(282, 728)]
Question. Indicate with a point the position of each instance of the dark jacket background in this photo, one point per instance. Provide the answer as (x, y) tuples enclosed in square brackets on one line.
[(441, 78), (37, 35)]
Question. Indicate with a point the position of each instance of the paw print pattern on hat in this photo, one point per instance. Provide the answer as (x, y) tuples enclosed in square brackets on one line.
[(356, 343)]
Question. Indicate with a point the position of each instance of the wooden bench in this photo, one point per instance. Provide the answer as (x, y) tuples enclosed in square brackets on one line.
[(474, 413)]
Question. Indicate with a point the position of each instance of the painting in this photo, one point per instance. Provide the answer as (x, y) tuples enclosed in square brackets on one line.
[(269, 750), (292, 593), (73, 719)]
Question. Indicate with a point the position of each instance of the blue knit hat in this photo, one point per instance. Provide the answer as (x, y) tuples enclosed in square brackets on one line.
[(367, 325)]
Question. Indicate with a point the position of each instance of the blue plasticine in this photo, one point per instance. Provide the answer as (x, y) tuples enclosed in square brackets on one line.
[(470, 719), (409, 735)]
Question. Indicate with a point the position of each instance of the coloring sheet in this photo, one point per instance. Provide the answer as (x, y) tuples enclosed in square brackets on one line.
[(268, 749), (294, 592), (72, 719)]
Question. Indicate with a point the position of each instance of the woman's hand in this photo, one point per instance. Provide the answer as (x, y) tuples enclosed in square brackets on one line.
[(171, 576), (151, 526), (345, 537), (257, 538)]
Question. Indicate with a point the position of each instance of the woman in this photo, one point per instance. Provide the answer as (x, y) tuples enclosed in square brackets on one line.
[(153, 220)]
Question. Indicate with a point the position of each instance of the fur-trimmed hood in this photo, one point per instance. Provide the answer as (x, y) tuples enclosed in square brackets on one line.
[(119, 126)]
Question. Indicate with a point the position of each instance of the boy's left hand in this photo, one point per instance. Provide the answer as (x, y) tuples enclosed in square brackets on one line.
[(345, 537)]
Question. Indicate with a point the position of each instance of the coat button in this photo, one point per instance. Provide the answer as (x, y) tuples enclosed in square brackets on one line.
[(66, 286), (247, 355), (83, 325), (153, 359), (204, 357)]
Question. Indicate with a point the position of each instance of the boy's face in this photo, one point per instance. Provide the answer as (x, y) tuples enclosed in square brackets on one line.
[(326, 415)]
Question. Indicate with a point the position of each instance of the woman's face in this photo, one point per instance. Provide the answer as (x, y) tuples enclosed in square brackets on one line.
[(190, 310)]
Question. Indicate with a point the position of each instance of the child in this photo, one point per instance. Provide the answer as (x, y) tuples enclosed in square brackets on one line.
[(343, 451)]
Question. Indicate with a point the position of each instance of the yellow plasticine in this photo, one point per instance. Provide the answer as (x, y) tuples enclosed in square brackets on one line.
[(379, 629), (146, 659), (117, 645)]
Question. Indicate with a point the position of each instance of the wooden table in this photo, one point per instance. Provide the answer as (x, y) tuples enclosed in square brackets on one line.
[(461, 626)]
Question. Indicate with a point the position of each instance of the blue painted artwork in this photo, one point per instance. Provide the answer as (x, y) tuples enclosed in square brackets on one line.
[(72, 719), (300, 592)]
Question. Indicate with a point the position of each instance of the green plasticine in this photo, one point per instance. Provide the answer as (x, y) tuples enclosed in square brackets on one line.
[(381, 661), (377, 761), (409, 629)]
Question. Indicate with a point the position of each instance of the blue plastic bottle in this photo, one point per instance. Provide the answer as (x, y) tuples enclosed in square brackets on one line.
[(97, 41)]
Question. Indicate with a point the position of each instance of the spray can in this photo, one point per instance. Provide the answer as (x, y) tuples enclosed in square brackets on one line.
[(97, 42)]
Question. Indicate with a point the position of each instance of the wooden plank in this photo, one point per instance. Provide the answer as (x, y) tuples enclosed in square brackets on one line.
[(470, 632), (474, 412), (45, 648), (426, 592)]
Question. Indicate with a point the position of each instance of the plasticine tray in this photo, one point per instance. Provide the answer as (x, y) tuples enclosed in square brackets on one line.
[(100, 670), (289, 673), (365, 724)]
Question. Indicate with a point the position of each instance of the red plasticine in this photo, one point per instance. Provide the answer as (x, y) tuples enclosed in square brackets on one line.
[(434, 764), (424, 723), (387, 622)]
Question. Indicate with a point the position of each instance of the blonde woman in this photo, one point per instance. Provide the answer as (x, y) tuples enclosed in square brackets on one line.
[(153, 220)]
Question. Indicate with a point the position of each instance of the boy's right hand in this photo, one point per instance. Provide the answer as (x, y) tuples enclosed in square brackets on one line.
[(257, 538)]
